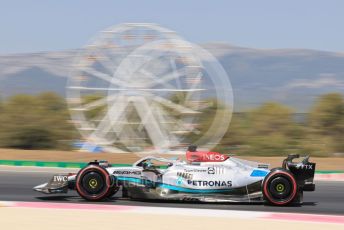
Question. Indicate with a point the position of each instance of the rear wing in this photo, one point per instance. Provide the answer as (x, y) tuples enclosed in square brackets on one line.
[(303, 171)]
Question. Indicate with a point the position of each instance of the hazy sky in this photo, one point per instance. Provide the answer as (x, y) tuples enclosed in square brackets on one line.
[(43, 25)]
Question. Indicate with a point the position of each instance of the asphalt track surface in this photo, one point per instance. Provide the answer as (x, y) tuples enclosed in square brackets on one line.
[(17, 186)]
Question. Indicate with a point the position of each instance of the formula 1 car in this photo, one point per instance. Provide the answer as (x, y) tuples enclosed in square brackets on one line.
[(204, 176)]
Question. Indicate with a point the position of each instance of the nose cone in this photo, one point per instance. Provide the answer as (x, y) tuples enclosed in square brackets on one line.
[(41, 188)]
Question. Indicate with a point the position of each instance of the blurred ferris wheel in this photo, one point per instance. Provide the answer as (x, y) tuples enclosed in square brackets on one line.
[(141, 88)]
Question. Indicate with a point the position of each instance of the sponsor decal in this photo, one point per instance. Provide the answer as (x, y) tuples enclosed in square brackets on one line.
[(184, 175), (195, 170), (302, 166), (216, 170), (127, 172), (200, 156), (263, 166), (211, 170), (217, 183), (179, 180), (214, 156), (60, 178)]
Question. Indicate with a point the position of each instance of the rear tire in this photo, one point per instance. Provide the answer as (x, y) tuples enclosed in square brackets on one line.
[(93, 183), (280, 187)]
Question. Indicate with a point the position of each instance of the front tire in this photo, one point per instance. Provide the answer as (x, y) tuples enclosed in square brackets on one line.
[(280, 187), (93, 183)]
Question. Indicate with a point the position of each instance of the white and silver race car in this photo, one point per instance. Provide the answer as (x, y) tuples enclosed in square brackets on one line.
[(204, 176)]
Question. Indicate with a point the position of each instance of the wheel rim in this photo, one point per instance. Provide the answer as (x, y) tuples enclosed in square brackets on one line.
[(280, 187), (273, 191), (93, 183)]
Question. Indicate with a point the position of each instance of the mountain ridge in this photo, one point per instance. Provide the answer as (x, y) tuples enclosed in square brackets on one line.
[(295, 77)]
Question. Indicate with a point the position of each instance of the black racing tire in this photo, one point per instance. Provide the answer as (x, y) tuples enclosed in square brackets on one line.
[(299, 198), (93, 183), (280, 188)]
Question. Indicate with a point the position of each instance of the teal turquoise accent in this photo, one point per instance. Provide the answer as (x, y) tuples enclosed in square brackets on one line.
[(172, 187), (259, 173), (190, 190), (130, 179)]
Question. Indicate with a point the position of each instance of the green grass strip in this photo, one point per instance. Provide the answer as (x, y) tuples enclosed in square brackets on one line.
[(328, 171)]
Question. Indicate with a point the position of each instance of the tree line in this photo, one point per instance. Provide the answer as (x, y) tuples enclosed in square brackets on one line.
[(35, 122), (43, 122), (272, 129)]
